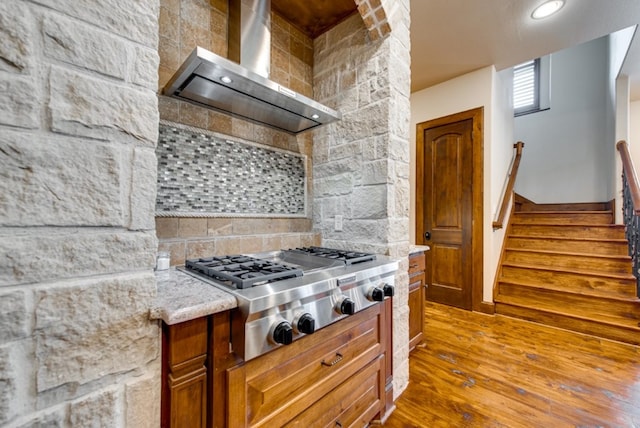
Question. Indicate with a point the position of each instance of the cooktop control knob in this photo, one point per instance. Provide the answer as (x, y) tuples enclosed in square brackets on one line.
[(389, 290), (375, 294), (283, 333), (305, 324), (346, 306)]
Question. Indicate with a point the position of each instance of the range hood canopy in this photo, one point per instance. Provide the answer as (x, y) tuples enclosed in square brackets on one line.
[(212, 81), (244, 90)]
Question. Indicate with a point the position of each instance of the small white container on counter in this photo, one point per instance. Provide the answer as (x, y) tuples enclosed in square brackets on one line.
[(163, 261)]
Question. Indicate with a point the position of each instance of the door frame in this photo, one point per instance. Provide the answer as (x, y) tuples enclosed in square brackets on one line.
[(477, 192)]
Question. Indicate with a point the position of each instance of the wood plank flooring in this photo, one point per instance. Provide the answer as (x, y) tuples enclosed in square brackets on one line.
[(475, 370)]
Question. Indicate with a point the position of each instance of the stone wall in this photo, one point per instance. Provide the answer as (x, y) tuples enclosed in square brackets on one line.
[(361, 164), (183, 25), (78, 128)]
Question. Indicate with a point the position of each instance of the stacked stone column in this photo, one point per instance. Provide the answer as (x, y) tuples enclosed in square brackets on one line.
[(78, 128), (361, 164)]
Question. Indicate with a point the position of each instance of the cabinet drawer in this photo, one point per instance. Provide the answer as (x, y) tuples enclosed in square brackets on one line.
[(352, 404), (283, 383), (416, 263)]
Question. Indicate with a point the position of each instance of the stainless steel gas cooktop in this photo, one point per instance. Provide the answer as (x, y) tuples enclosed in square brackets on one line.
[(288, 294)]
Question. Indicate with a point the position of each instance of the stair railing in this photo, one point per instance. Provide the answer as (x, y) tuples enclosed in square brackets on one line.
[(508, 191), (631, 207)]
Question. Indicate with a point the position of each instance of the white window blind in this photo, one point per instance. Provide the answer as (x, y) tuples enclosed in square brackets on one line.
[(525, 86)]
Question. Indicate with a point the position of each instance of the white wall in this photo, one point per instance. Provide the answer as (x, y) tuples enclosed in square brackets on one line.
[(481, 88), (567, 155), (501, 158), (634, 132), (622, 132)]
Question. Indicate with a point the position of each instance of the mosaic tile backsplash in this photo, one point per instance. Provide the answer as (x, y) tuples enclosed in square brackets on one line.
[(202, 174)]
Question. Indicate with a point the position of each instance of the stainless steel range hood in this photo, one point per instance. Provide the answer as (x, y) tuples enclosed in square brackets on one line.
[(212, 81)]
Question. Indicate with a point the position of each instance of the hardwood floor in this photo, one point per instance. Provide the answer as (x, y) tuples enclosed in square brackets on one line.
[(475, 370)]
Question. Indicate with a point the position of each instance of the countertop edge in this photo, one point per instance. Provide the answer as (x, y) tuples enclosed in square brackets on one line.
[(413, 249), (181, 297)]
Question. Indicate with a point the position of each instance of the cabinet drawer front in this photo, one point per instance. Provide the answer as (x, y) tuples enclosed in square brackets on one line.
[(283, 383), (416, 263), (352, 404)]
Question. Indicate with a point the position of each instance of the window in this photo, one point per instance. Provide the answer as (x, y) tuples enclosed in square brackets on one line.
[(526, 87)]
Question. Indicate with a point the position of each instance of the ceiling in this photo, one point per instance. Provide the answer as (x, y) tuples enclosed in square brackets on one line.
[(314, 17), (453, 37), (450, 38)]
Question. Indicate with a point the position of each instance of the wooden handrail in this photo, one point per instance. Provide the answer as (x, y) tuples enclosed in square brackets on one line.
[(506, 197), (630, 172)]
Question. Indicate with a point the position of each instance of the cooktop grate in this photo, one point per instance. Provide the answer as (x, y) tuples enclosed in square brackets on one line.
[(242, 271)]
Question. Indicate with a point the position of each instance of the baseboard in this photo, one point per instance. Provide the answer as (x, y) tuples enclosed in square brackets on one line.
[(488, 308)]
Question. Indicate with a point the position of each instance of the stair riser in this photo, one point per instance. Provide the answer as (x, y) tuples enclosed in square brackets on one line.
[(588, 327), (552, 260), (572, 246), (570, 281), (594, 307), (538, 218), (569, 231)]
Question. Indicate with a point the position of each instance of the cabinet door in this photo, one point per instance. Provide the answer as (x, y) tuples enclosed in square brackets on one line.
[(184, 390), (416, 311), (416, 298), (189, 400)]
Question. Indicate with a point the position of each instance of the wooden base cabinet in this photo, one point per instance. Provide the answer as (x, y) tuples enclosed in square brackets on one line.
[(334, 377), (416, 298), (338, 376)]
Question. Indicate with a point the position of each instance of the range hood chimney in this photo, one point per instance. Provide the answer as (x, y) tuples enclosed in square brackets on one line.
[(244, 89)]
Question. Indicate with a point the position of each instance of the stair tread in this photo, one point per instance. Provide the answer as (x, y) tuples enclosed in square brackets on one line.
[(628, 323), (564, 238), (583, 292), (594, 246), (603, 225), (564, 212), (570, 253), (599, 274), (584, 326)]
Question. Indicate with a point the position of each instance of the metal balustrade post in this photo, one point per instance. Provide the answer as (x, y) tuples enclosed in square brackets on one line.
[(632, 229)]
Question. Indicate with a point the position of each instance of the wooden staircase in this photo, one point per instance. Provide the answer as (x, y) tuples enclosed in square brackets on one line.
[(567, 266)]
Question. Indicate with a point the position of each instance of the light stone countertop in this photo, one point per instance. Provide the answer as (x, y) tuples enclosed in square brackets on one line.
[(418, 248), (182, 297)]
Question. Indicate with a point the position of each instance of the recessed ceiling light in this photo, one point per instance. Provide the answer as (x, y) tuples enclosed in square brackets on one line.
[(226, 79), (315, 116), (547, 9)]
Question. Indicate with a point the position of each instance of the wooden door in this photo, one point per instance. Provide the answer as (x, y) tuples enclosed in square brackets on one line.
[(449, 208)]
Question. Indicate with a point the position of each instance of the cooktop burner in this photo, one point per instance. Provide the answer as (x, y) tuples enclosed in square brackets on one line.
[(348, 257), (242, 271)]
